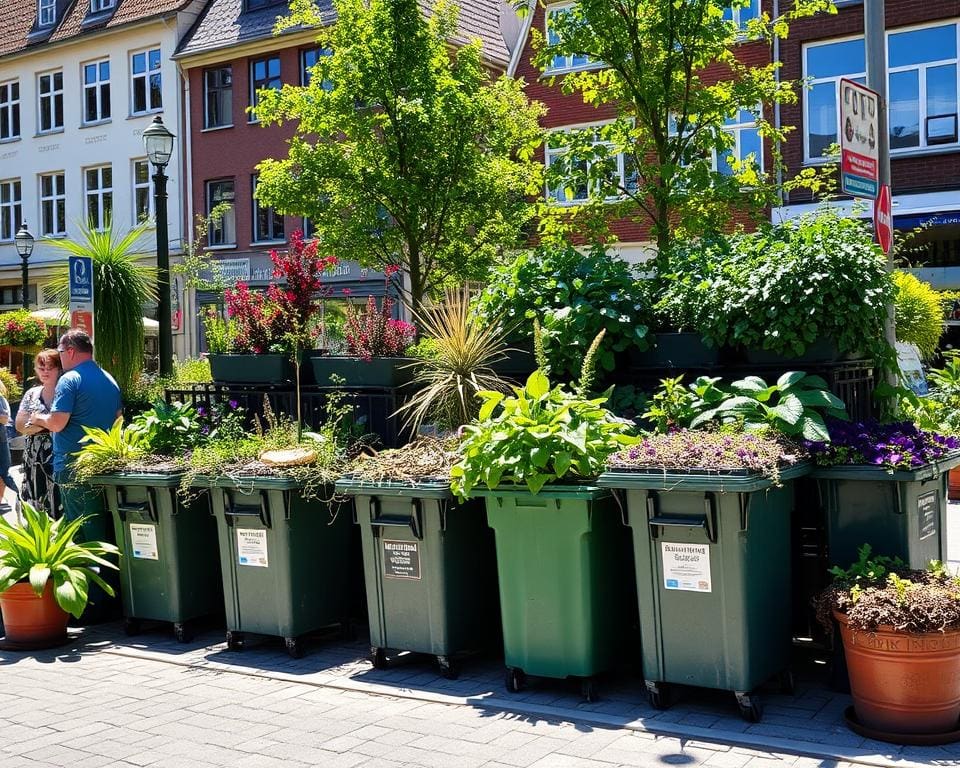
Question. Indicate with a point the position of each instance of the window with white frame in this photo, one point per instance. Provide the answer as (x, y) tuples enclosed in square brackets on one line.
[(10, 110), (46, 12), (96, 91), (223, 230), (267, 223), (142, 192), (218, 97), (743, 13), (561, 63), (825, 64), (98, 6), (746, 143), (578, 188), (50, 101), (53, 205), (98, 194), (922, 87), (145, 77), (11, 211), (264, 74)]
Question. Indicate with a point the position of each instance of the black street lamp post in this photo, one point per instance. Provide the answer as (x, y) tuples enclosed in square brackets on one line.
[(24, 243), (159, 143)]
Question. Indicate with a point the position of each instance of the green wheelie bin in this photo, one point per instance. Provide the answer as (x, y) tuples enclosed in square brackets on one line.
[(562, 570), (429, 570), (286, 559), (900, 513), (170, 570), (712, 558)]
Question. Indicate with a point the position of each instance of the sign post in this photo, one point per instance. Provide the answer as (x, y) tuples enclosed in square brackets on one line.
[(859, 140), (81, 293), (883, 219)]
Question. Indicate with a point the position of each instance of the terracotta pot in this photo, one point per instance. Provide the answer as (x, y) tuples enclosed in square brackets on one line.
[(953, 487), (30, 621), (903, 682)]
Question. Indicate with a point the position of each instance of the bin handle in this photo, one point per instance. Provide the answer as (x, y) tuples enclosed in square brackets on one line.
[(414, 522), (149, 506), (233, 510), (708, 522)]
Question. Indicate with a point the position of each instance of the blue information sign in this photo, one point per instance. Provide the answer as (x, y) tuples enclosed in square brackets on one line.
[(81, 280)]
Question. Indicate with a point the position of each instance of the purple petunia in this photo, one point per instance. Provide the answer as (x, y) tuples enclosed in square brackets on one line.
[(899, 445)]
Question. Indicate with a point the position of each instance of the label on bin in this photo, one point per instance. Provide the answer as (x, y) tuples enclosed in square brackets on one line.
[(928, 509), (686, 566), (252, 547), (401, 559), (143, 541)]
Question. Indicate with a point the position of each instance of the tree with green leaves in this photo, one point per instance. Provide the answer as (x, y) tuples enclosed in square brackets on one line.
[(121, 286), (670, 70), (406, 150)]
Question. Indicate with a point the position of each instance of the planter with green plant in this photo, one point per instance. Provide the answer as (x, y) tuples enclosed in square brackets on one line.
[(170, 571), (901, 638), (44, 577), (534, 456)]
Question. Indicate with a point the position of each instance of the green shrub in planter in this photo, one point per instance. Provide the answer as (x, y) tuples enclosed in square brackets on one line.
[(918, 313)]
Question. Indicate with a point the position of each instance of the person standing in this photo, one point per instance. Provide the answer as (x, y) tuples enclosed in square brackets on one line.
[(39, 488), (5, 480)]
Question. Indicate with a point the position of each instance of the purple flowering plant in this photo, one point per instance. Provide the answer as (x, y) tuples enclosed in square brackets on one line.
[(897, 445)]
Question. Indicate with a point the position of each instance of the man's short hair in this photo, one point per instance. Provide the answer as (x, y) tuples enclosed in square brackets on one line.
[(78, 339)]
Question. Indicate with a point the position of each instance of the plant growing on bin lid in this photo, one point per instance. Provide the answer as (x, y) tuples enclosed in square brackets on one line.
[(899, 445), (541, 434)]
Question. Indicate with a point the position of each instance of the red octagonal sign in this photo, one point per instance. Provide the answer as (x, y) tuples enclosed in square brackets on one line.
[(883, 218)]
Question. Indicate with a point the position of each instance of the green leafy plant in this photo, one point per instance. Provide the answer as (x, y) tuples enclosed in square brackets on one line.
[(574, 296), (541, 434), (918, 313), (218, 330), (12, 384), (104, 451), (938, 411), (40, 549), (464, 347), (794, 406), (21, 329), (167, 429)]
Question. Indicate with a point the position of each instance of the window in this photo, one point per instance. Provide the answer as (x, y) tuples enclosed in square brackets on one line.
[(46, 12), (224, 230), (96, 91), (574, 61), (622, 166), (98, 190), (11, 212), (98, 6), (922, 87), (741, 15), (264, 73), (825, 65), (218, 97), (142, 192), (50, 95), (145, 73), (10, 110), (267, 223), (308, 58), (746, 142), (53, 205)]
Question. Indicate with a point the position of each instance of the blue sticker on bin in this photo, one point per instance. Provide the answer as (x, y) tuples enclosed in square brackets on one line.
[(672, 584)]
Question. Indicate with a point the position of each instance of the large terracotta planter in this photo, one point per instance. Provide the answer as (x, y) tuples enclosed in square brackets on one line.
[(31, 621), (903, 683)]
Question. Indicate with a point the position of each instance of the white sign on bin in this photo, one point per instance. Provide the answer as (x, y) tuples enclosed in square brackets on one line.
[(686, 567)]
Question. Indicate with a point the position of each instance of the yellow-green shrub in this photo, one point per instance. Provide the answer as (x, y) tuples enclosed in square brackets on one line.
[(918, 313)]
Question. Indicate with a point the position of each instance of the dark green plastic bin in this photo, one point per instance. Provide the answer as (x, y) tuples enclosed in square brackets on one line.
[(900, 513), (285, 559), (562, 571), (429, 570), (712, 558), (170, 570)]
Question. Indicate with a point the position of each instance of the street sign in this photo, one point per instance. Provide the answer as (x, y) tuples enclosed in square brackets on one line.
[(883, 218), (81, 293), (859, 139)]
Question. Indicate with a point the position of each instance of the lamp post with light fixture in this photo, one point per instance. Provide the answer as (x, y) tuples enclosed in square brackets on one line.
[(159, 143), (24, 243)]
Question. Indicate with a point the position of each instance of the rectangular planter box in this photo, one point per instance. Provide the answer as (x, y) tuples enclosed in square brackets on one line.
[(385, 372), (251, 369)]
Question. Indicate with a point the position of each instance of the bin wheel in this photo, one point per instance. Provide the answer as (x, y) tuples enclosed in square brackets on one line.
[(657, 695), (294, 647), (378, 657), (786, 683), (131, 626), (750, 709), (234, 641), (515, 679), (182, 632), (588, 690), (448, 668)]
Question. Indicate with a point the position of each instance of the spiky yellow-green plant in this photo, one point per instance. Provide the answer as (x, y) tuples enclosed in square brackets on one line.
[(918, 313), (121, 286), (464, 347)]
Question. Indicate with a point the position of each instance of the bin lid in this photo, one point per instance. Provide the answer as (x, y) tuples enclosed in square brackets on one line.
[(248, 482), (139, 479), (548, 491), (729, 481), (869, 472), (434, 489)]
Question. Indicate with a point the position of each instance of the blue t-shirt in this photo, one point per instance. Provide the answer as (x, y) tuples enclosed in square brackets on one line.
[(92, 398)]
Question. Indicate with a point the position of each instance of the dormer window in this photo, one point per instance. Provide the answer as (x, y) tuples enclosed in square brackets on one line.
[(98, 6), (46, 12)]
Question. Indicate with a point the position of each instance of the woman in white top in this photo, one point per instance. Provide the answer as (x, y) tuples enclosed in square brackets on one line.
[(38, 486)]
